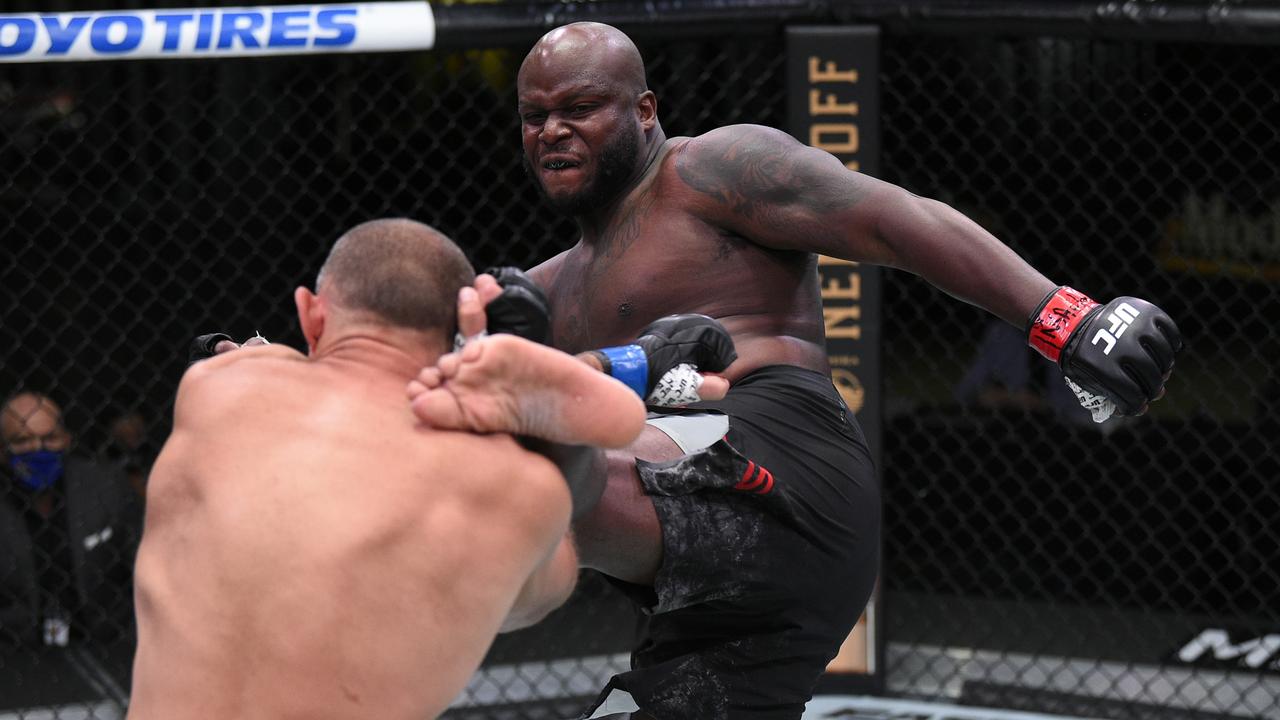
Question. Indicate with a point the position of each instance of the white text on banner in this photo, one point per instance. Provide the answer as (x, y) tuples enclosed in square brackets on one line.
[(216, 32)]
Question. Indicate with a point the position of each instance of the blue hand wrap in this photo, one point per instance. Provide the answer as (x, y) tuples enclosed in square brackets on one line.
[(628, 364)]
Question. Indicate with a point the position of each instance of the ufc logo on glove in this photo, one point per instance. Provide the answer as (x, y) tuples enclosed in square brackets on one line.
[(1120, 319), (1129, 354)]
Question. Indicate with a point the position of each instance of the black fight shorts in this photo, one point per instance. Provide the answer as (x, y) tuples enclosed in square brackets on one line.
[(770, 550)]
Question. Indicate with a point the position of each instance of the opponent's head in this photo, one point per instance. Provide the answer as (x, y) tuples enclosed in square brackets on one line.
[(587, 115), (395, 274), (35, 440)]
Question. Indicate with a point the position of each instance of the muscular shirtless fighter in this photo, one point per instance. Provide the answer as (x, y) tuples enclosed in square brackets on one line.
[(748, 527)]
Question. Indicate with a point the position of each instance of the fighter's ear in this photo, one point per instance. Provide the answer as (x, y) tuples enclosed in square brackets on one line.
[(647, 110), (311, 315)]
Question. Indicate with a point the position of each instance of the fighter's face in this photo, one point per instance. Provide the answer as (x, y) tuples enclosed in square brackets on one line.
[(581, 139)]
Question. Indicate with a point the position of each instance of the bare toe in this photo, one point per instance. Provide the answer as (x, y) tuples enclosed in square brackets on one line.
[(448, 365), (472, 352), (438, 408), (428, 377)]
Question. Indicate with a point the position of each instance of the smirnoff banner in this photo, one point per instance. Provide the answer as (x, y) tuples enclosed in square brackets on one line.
[(216, 32), (833, 104)]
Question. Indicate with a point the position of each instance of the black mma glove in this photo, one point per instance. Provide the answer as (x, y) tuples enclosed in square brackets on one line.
[(204, 347), (522, 308), (662, 364), (201, 347), (1121, 351)]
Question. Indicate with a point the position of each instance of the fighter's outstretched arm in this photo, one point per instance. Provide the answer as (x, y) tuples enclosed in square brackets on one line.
[(765, 186)]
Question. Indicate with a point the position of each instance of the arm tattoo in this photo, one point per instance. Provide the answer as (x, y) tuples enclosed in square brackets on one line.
[(757, 176)]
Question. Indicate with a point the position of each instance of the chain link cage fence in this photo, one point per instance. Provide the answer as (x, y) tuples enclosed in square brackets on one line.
[(1031, 559)]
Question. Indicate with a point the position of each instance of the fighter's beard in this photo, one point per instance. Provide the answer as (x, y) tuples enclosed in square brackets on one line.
[(618, 163)]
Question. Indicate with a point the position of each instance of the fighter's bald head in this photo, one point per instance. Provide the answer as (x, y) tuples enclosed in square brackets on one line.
[(593, 51)]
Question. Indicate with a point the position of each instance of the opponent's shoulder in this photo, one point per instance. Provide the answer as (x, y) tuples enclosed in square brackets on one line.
[(496, 473), (232, 367), (222, 380)]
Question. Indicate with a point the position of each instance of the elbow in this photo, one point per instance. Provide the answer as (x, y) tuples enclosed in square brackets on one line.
[(547, 589), (534, 611), (521, 618)]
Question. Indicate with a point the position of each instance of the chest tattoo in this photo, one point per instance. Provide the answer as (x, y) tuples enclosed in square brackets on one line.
[(622, 232)]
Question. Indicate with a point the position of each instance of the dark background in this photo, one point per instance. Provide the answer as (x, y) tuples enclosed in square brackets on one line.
[(142, 203)]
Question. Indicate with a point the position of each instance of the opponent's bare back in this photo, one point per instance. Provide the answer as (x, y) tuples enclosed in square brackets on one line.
[(315, 531), (311, 549)]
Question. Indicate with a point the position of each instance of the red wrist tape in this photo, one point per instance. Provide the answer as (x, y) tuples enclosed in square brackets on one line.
[(1056, 318)]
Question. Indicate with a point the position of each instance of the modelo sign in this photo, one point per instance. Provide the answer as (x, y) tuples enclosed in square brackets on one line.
[(1219, 648)]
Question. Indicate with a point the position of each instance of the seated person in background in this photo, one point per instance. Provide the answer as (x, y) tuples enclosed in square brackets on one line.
[(66, 544), (129, 445), (1006, 374), (313, 550)]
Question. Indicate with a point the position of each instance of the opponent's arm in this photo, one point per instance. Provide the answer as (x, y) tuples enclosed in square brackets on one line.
[(765, 186), (547, 588)]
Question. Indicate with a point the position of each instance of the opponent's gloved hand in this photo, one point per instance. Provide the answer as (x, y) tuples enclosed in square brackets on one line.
[(205, 346), (522, 308), (1115, 357), (663, 364), (202, 347)]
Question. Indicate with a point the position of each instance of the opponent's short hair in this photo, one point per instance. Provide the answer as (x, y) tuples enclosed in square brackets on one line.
[(399, 272)]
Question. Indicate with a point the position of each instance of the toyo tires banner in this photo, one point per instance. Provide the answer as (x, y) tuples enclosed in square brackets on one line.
[(216, 32)]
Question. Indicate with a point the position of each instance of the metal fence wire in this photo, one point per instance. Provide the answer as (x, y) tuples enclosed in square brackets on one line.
[(1032, 559)]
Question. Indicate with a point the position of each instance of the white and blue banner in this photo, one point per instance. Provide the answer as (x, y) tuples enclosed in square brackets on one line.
[(216, 32)]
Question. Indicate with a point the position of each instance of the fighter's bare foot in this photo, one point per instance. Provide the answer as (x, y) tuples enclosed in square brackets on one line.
[(504, 383)]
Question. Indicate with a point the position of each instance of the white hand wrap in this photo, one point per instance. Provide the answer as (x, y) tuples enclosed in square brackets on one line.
[(1101, 407), (460, 341), (679, 386)]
